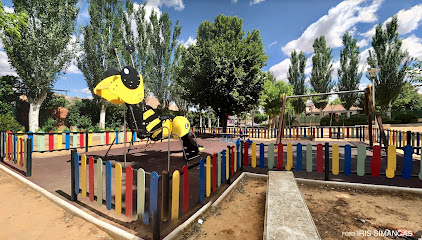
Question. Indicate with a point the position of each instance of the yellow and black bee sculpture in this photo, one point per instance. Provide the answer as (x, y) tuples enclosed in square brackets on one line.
[(127, 87)]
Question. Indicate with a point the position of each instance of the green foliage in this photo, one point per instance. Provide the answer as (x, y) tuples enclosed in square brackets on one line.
[(12, 23), (296, 77), (415, 71), (272, 94), (336, 101), (9, 94), (392, 62), (9, 123), (348, 74), (81, 113), (157, 53), (103, 32), (50, 124), (407, 118), (114, 117), (44, 48), (223, 70), (408, 99), (322, 68), (259, 118), (49, 108)]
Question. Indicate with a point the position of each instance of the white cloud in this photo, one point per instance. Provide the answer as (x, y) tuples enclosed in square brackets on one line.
[(5, 68), (339, 19), (413, 45), (235, 1), (8, 9), (280, 70), (73, 69), (176, 4), (272, 44), (189, 42), (253, 2), (363, 43), (83, 93), (408, 20)]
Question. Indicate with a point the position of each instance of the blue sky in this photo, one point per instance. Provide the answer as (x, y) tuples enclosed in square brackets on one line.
[(284, 25)]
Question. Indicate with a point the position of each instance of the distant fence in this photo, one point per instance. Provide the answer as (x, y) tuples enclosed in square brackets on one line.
[(16, 149), (58, 141), (218, 169), (394, 137)]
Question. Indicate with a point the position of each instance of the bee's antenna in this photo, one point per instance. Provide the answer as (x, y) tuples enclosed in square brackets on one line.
[(115, 53), (131, 49)]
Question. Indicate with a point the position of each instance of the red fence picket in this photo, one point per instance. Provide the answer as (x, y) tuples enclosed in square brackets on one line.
[(320, 155), (50, 141), (128, 196), (214, 171), (376, 161), (91, 179), (185, 189), (280, 156), (81, 139)]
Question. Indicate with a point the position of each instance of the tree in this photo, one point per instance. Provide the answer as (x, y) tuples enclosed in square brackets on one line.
[(272, 97), (11, 23), (296, 77), (9, 94), (322, 68), (348, 74), (408, 99), (43, 50), (156, 42), (223, 71), (103, 32), (392, 62)]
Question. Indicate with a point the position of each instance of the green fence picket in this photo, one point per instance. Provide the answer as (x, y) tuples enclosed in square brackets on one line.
[(270, 156), (361, 160), (99, 179), (309, 157)]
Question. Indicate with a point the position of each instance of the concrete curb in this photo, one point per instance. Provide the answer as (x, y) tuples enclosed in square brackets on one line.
[(113, 231), (361, 186), (349, 185), (211, 204)]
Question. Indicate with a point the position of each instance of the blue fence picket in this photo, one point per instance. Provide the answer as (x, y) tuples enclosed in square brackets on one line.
[(108, 184), (418, 142), (261, 156), (407, 165), (299, 157), (30, 135), (347, 160), (67, 140), (117, 137), (153, 193), (201, 180), (15, 149)]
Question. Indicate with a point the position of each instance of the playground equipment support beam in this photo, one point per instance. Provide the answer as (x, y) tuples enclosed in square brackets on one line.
[(324, 94)]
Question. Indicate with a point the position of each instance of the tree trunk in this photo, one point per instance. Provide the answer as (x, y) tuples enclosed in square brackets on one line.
[(218, 122), (209, 119), (274, 120), (34, 113), (200, 119), (253, 117), (390, 105), (269, 121), (224, 119), (103, 108)]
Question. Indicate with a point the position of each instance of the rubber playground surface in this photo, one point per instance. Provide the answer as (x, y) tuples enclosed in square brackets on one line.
[(53, 174)]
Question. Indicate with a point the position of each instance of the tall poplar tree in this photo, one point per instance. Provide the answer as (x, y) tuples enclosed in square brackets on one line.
[(392, 62), (296, 77), (322, 68), (348, 74), (43, 49), (103, 32), (156, 41)]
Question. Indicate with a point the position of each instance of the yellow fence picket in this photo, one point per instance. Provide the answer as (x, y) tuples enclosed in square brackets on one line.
[(175, 194), (118, 189)]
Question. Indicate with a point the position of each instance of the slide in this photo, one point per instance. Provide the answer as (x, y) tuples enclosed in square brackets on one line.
[(190, 147)]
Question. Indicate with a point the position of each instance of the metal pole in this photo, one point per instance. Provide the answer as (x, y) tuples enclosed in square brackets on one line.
[(124, 132)]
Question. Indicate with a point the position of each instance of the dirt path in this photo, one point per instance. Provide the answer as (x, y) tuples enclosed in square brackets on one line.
[(338, 213), (26, 214), (240, 215), (341, 213)]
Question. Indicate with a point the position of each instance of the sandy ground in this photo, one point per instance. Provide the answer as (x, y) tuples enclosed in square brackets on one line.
[(26, 214), (338, 213), (240, 215)]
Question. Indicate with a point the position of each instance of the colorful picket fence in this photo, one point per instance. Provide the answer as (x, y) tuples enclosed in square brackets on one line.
[(16, 149), (57, 141)]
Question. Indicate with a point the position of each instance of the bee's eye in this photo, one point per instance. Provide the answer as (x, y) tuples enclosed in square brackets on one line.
[(130, 77)]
